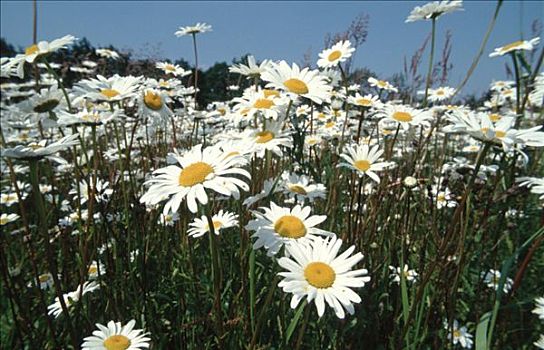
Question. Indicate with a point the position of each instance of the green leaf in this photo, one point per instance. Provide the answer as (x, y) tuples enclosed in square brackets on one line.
[(481, 332), (294, 322)]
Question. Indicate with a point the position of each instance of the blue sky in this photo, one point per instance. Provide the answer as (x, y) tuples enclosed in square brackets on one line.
[(276, 30)]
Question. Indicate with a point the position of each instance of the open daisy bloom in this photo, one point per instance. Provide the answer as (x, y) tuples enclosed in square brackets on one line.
[(460, 335), (221, 220), (107, 53), (433, 10), (340, 52), (296, 82), (278, 226), (527, 45), (405, 116), (317, 272), (364, 160), (174, 69), (199, 169), (192, 30), (115, 336)]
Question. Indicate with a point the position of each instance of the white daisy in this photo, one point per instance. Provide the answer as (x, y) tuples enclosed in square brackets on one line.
[(174, 69), (434, 9), (492, 278), (115, 336), (339, 52), (192, 30), (460, 335), (317, 272), (539, 308), (397, 272), (298, 187), (199, 169), (252, 69), (278, 226), (221, 220), (296, 82), (382, 84), (527, 45), (7, 218), (364, 160), (107, 53), (70, 298)]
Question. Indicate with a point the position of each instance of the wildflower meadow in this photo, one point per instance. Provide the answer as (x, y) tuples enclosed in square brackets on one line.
[(296, 206)]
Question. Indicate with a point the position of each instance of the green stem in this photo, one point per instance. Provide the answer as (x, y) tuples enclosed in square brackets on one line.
[(430, 69), (216, 275), (57, 78), (196, 68)]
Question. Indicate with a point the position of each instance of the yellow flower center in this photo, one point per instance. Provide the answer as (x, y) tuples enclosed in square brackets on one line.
[(494, 117), (290, 226), (456, 333), (109, 93), (117, 342), (32, 49), (3, 220), (330, 125), (362, 165), (263, 103), (169, 68), (93, 269), (511, 46), (441, 197), (382, 83), (216, 225), (440, 92), (364, 101), (194, 174), (298, 189), (500, 134), (264, 136), (153, 101), (319, 275), (297, 86), (43, 278), (222, 111), (267, 93), (333, 56), (403, 117)]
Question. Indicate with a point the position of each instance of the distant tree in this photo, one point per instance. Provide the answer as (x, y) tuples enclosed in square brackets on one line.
[(6, 49)]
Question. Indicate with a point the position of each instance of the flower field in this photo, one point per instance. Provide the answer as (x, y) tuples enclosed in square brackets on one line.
[(309, 209)]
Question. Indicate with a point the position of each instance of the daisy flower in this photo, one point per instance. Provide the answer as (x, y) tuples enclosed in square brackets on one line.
[(434, 10), (102, 89), (115, 336), (174, 69), (397, 272), (439, 94), (101, 191), (192, 30), (527, 45), (70, 298), (252, 70), (199, 169), (7, 218), (221, 220), (296, 82), (107, 53), (266, 102), (405, 116), (364, 160), (278, 226), (540, 342), (271, 139), (539, 308), (96, 269), (87, 117), (45, 281), (299, 188), (534, 183), (317, 272), (339, 52), (168, 219), (269, 187), (492, 278), (34, 51), (460, 335), (382, 84), (152, 103), (366, 101), (41, 149)]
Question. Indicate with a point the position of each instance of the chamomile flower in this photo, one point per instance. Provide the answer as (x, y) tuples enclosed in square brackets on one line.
[(339, 52), (364, 160), (193, 30), (199, 169), (221, 220), (527, 45), (115, 336), (317, 272), (296, 82), (459, 335), (278, 226)]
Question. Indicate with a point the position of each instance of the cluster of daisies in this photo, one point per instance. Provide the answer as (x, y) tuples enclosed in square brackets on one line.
[(287, 112)]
